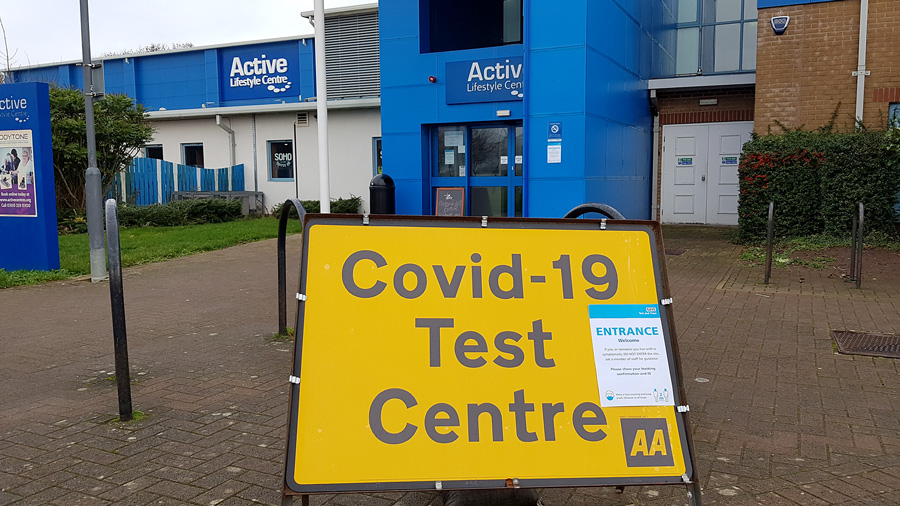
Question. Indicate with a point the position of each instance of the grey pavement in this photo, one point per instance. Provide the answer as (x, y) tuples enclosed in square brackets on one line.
[(779, 417)]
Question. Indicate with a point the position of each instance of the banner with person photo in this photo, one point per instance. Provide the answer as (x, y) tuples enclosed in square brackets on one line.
[(18, 195)]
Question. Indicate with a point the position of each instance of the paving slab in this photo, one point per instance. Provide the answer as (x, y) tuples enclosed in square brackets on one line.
[(779, 417)]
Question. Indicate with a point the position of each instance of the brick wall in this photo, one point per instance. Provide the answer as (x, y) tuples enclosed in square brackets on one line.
[(679, 107), (805, 75)]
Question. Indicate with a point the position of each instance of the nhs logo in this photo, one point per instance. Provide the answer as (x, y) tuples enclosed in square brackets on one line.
[(487, 80)]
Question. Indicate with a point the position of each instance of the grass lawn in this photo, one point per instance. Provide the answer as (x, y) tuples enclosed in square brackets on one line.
[(151, 244)]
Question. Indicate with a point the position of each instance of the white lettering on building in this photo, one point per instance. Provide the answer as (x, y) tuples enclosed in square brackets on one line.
[(13, 103), (485, 78), (256, 72)]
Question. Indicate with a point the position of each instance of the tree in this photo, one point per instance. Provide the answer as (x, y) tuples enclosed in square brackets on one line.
[(122, 129), (8, 59), (153, 47)]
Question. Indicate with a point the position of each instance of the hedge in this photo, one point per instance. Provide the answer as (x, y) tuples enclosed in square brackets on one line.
[(816, 180), (349, 205), (180, 212)]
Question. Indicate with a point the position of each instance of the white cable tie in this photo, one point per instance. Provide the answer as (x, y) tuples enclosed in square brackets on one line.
[(366, 219), (301, 297), (438, 485), (294, 379), (684, 409), (602, 223), (484, 221), (666, 302)]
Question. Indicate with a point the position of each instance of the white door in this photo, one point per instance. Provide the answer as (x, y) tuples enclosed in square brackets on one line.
[(700, 172), (685, 149)]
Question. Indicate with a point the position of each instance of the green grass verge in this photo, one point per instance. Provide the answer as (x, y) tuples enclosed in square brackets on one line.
[(151, 244), (784, 248)]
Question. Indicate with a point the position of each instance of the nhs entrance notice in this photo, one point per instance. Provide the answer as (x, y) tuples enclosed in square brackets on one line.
[(446, 354)]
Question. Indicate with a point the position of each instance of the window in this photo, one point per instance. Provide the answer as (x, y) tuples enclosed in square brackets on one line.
[(154, 151), (192, 154), (894, 115), (483, 160), (715, 36), (376, 156), (281, 160), (469, 24)]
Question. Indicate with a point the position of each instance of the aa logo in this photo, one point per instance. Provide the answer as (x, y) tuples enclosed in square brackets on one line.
[(647, 442)]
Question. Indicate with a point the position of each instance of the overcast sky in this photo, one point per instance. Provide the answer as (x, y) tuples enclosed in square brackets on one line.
[(49, 31)]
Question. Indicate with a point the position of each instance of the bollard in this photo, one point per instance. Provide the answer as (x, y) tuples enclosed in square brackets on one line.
[(853, 228), (859, 252), (117, 301), (381, 195), (770, 236)]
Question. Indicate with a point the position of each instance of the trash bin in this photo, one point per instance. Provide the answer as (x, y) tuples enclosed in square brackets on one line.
[(381, 195)]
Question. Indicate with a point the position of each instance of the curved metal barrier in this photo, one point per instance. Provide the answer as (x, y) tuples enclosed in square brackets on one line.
[(594, 207), (282, 283)]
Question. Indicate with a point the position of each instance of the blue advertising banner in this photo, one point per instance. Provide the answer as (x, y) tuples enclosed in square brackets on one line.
[(27, 192), (260, 71), (487, 80)]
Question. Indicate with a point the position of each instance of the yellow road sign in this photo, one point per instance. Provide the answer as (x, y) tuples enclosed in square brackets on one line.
[(444, 351)]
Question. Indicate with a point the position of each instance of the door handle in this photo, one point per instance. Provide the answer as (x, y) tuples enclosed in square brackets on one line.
[(703, 177)]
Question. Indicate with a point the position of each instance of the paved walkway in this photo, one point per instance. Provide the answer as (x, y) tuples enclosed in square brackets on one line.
[(779, 417)]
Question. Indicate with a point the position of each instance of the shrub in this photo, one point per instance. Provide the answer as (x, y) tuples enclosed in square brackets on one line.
[(338, 206), (70, 221), (815, 180), (183, 212)]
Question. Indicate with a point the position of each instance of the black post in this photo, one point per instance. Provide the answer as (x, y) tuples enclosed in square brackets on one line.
[(117, 301), (282, 261), (770, 236), (859, 241), (853, 228)]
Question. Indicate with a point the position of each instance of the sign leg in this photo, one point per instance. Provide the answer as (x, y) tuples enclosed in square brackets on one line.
[(693, 491)]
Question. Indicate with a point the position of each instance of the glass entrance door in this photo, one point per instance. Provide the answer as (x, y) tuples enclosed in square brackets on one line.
[(484, 161)]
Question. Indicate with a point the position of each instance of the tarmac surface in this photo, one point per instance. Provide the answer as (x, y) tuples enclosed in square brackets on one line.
[(779, 417)]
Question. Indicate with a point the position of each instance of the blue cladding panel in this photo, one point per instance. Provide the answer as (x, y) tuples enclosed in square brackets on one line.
[(171, 81), (64, 76), (307, 69)]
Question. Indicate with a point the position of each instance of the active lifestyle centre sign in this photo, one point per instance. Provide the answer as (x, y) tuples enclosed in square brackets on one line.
[(487, 80), (27, 191), (260, 71), (484, 354)]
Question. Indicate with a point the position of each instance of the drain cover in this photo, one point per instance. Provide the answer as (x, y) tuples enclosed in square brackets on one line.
[(861, 343), (674, 252)]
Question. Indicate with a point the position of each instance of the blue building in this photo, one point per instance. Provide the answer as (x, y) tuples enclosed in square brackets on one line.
[(252, 104), (513, 107), (530, 107)]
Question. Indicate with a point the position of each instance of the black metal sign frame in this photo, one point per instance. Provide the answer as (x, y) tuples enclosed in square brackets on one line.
[(690, 478)]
